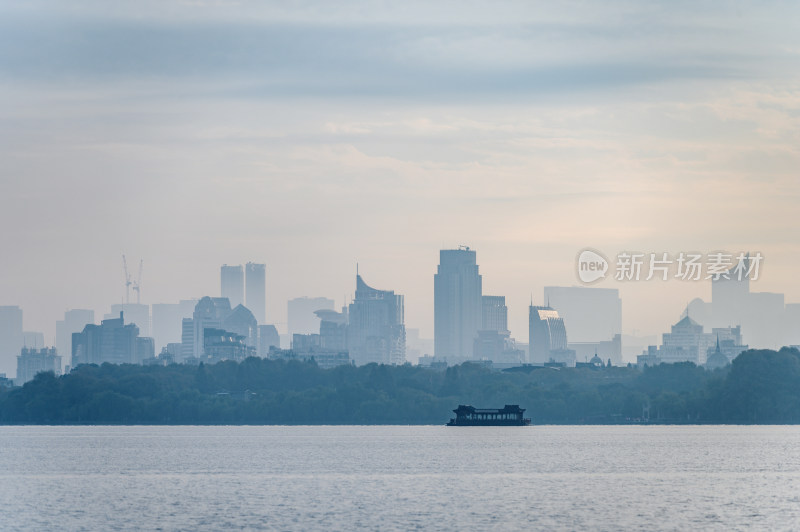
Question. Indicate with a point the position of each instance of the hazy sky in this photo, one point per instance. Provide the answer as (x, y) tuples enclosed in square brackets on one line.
[(310, 137)]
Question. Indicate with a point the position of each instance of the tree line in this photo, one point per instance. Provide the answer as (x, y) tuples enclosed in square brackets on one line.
[(760, 386)]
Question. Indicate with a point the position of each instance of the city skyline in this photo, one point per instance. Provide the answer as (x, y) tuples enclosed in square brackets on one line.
[(257, 253), (520, 332), (382, 135)]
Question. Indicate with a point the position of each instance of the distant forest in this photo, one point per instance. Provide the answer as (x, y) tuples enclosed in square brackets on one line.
[(761, 386)]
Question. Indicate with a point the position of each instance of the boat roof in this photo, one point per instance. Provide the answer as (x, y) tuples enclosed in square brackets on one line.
[(507, 409)]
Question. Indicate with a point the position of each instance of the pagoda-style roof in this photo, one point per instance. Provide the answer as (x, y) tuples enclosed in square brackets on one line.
[(507, 409)]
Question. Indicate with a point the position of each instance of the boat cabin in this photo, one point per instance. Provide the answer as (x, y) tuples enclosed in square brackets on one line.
[(509, 415)]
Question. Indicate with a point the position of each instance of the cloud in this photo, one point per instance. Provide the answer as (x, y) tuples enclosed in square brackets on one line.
[(312, 134), (467, 60)]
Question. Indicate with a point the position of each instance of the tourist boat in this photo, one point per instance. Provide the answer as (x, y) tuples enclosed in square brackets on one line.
[(508, 416)]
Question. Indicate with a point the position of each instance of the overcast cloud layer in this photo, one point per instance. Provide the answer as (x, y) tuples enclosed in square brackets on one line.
[(311, 137)]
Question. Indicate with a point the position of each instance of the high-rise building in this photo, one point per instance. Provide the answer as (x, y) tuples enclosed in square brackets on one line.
[(547, 335), (494, 341), (209, 313), (792, 323), (220, 344), (494, 314), (457, 291), (33, 339), (112, 341), (242, 322), (145, 348), (136, 313), (74, 321), (332, 330), (231, 328), (376, 330), (11, 338), (765, 318), (32, 361), (187, 340), (687, 342), (730, 295), (256, 290), (301, 314), (232, 284)]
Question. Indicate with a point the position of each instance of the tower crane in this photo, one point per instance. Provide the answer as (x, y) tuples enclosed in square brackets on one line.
[(127, 279), (137, 286)]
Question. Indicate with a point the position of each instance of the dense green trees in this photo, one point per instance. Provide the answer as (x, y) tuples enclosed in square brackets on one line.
[(759, 387)]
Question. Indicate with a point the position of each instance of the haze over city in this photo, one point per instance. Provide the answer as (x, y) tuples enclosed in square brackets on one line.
[(312, 137), (413, 265)]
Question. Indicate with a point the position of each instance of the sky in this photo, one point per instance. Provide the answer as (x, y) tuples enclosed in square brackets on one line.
[(313, 137)]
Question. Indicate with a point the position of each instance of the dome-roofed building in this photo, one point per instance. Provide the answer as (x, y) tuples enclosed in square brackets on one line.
[(242, 322), (596, 361), (717, 359), (216, 313), (215, 308)]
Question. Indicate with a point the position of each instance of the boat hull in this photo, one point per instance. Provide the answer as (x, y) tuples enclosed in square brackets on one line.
[(482, 423)]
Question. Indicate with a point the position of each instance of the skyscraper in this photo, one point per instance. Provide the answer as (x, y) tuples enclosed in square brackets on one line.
[(256, 291), (136, 313), (457, 289), (494, 314), (33, 339), (332, 329), (232, 284), (547, 336), (32, 361), (730, 296), (74, 321), (112, 341), (376, 331)]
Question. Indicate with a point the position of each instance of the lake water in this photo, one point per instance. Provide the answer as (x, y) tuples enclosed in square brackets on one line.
[(399, 478)]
